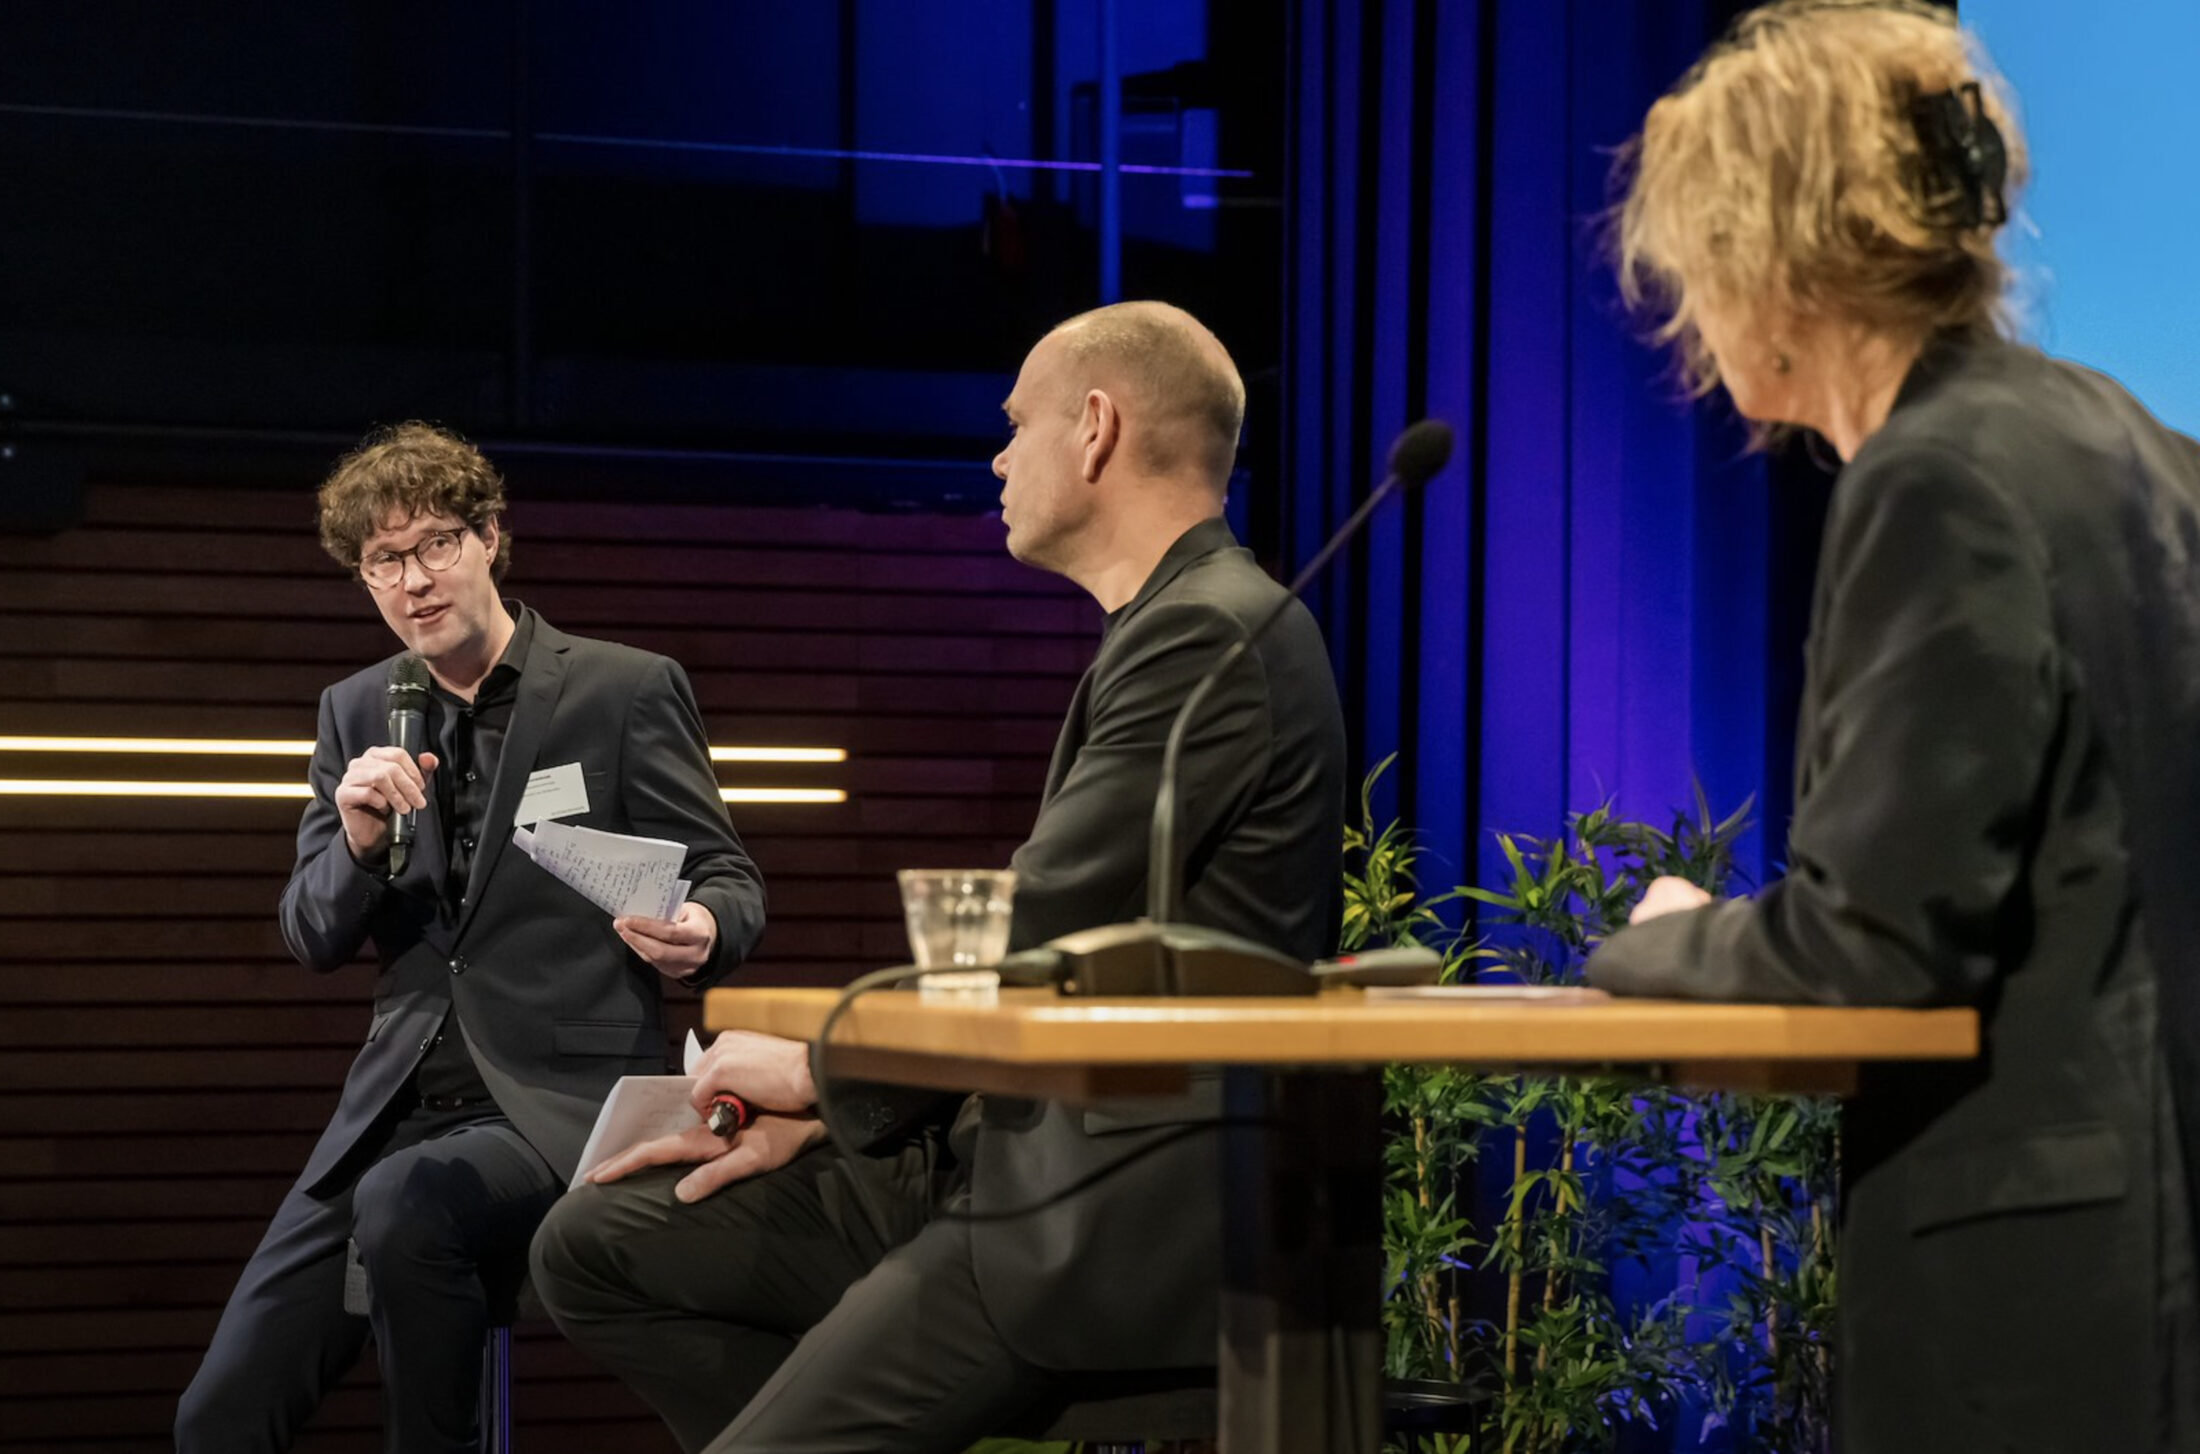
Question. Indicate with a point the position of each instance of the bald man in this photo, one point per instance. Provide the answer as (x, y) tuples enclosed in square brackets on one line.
[(746, 1287)]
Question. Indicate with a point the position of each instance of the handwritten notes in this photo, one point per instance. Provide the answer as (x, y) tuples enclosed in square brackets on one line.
[(618, 873)]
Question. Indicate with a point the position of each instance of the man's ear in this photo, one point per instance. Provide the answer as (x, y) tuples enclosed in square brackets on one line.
[(1100, 429)]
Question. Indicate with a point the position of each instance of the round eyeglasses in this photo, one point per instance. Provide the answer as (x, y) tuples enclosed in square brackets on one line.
[(437, 552)]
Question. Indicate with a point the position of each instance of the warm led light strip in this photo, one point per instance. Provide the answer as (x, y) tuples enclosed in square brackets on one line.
[(82, 788), (779, 754), (192, 746), (276, 747)]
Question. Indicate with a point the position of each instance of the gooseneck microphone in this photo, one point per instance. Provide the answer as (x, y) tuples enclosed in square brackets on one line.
[(408, 698), (1415, 456)]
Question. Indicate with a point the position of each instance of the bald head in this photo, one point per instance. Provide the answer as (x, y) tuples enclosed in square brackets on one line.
[(1172, 380)]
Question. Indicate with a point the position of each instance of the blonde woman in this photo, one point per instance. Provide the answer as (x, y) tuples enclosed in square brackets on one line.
[(1998, 778)]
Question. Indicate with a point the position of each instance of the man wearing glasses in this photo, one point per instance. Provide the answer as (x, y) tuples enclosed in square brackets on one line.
[(506, 1004)]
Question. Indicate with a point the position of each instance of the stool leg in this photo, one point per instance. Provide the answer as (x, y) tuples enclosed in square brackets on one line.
[(496, 1392)]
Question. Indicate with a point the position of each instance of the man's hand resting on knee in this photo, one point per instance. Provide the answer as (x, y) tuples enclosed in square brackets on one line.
[(765, 1144), (769, 1073), (773, 1076)]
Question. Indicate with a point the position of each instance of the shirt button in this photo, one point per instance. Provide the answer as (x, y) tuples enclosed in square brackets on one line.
[(470, 776), (458, 964)]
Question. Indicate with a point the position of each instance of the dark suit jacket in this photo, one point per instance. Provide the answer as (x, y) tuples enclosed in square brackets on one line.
[(1996, 806), (1125, 1274), (553, 1004)]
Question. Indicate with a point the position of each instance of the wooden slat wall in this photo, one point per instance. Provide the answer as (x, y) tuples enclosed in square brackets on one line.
[(165, 1067)]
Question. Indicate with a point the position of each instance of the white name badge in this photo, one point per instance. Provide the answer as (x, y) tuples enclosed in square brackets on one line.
[(555, 792)]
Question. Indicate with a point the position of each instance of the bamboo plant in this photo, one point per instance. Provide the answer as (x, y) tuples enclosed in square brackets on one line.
[(1513, 1201)]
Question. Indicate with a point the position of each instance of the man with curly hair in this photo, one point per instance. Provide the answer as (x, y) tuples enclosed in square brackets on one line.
[(506, 1004)]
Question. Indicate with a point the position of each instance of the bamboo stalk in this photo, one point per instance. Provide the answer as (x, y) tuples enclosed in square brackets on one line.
[(1550, 1274), (1818, 1259), (1420, 1158), (1772, 1306), (1430, 1311), (1512, 1281)]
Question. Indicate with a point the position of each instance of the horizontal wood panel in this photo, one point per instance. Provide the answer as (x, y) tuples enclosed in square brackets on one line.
[(179, 855), (341, 647), (37, 1420), (719, 693), (978, 816), (172, 1112), (282, 980), (576, 606), (550, 563), (190, 507), (78, 942), (121, 1197), (249, 896), (165, 1066), (907, 736), (539, 1356)]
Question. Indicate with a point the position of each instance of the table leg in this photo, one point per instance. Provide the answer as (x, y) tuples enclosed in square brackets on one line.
[(1302, 1342)]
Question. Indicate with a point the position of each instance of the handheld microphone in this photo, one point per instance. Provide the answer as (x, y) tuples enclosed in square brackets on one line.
[(408, 698), (1157, 955)]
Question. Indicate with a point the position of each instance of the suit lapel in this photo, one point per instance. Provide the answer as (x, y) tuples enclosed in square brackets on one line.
[(1196, 543), (1072, 740), (540, 682)]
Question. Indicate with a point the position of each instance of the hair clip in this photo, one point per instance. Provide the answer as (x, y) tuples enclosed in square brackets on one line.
[(1963, 154)]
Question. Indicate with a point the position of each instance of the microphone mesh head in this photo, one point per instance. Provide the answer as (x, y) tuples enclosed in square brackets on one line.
[(408, 674), (1420, 452)]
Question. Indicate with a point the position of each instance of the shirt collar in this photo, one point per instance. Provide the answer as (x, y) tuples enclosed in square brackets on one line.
[(503, 678), (1203, 539)]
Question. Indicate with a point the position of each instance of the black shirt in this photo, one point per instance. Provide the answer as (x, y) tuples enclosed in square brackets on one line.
[(469, 741)]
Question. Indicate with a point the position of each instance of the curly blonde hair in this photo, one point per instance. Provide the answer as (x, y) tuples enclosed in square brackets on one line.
[(407, 470), (1784, 177)]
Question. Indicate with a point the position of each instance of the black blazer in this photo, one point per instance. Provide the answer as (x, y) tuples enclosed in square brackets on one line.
[(1127, 1273), (1996, 807), (553, 1004)]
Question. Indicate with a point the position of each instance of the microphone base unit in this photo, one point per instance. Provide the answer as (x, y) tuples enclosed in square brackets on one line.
[(1130, 961), (1148, 960)]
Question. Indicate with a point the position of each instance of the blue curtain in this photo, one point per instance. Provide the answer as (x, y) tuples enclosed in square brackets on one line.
[(1596, 600)]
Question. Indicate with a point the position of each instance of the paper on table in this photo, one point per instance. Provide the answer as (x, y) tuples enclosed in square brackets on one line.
[(641, 1108), (617, 872)]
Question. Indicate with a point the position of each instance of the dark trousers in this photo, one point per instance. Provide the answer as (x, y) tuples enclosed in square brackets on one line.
[(776, 1318), (442, 1218)]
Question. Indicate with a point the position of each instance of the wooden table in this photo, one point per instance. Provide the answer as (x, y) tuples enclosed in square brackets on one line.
[(1036, 1043), (1290, 1300)]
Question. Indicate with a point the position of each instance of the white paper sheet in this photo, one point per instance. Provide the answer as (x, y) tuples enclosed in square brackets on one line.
[(641, 1108), (617, 872)]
